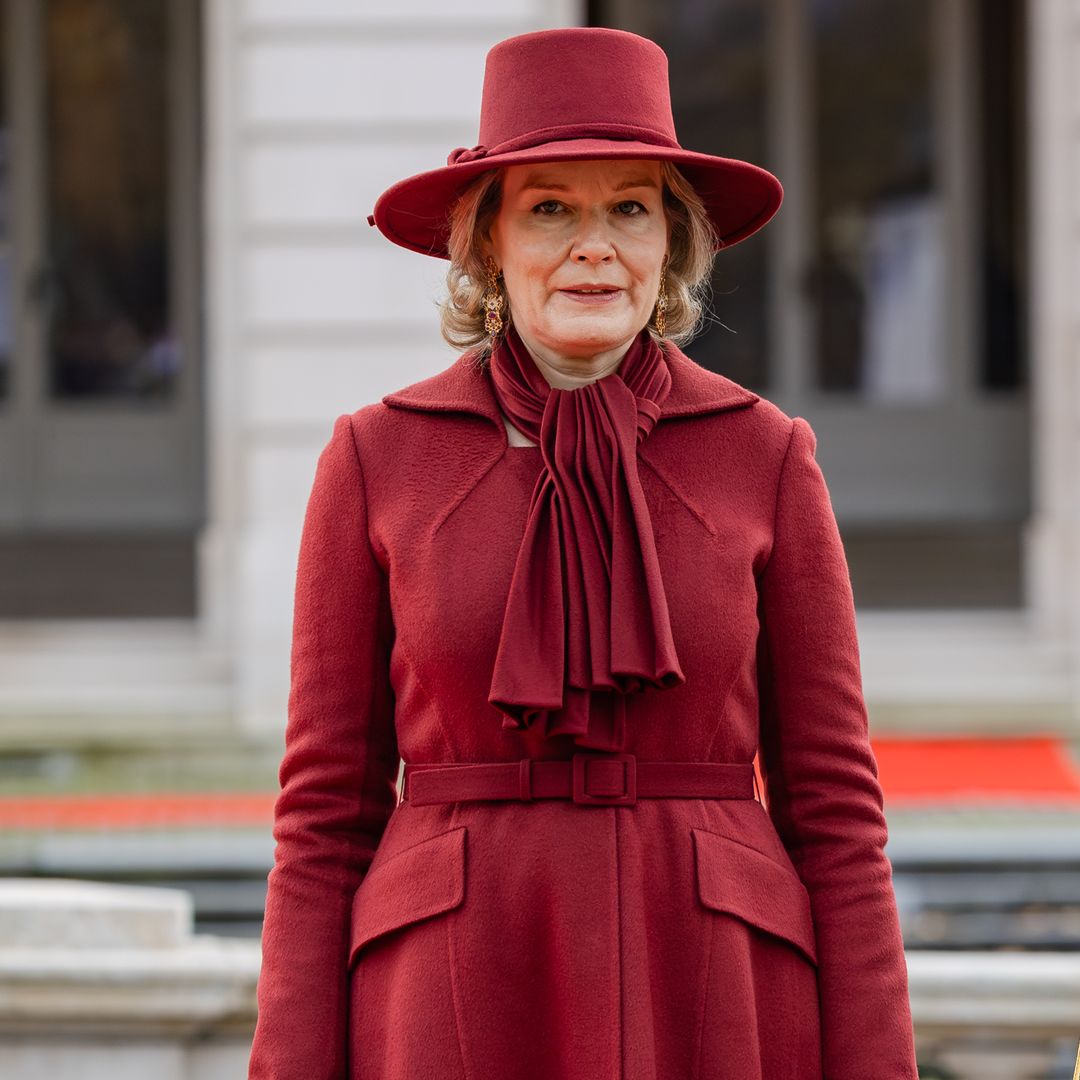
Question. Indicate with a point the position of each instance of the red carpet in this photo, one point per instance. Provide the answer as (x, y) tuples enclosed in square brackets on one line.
[(137, 810), (954, 771)]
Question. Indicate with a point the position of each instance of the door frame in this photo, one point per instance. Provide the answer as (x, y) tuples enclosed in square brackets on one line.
[(147, 469)]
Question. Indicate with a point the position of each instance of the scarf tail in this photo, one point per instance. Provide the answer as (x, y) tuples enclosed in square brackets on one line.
[(586, 622)]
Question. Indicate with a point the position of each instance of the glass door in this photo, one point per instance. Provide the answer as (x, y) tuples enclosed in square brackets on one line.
[(101, 491), (885, 302)]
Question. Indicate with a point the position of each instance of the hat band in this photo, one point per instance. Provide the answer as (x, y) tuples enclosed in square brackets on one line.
[(617, 132)]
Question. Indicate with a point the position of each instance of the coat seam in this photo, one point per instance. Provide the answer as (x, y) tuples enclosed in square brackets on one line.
[(722, 713), (456, 822), (621, 1042), (436, 703), (711, 923), (776, 498), (682, 498), (455, 504), (374, 548), (369, 763), (356, 998), (384, 604), (778, 765), (397, 641), (706, 984), (369, 758)]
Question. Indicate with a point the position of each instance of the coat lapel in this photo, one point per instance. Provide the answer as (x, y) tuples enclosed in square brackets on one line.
[(465, 387)]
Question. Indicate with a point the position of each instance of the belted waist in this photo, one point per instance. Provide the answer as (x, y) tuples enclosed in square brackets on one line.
[(599, 779)]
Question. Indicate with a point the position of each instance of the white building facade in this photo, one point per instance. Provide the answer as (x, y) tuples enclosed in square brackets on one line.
[(285, 120), (190, 293)]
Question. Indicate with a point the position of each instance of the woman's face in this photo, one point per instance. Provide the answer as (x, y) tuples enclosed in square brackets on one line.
[(564, 226)]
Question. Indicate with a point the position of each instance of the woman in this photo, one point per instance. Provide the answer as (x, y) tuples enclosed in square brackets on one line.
[(577, 583)]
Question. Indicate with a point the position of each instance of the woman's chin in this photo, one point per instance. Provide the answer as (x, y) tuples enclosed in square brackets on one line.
[(591, 335)]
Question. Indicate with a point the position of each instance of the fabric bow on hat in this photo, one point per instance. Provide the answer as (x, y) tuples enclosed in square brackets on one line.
[(586, 620), (465, 153)]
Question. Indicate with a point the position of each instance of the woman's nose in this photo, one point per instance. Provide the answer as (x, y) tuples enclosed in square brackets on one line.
[(592, 242)]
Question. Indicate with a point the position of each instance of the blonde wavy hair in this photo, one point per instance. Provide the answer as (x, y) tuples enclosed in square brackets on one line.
[(691, 254)]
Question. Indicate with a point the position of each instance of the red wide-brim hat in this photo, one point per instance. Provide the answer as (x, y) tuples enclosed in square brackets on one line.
[(569, 95)]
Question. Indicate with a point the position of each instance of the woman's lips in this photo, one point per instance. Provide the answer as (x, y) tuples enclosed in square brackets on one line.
[(592, 297)]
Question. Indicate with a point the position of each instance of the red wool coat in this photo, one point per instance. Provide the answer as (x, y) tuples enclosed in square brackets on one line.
[(671, 939)]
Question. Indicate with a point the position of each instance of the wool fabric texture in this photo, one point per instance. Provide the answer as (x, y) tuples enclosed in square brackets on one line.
[(504, 938), (586, 620)]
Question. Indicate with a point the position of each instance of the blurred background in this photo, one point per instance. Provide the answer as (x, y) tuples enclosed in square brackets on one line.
[(190, 293)]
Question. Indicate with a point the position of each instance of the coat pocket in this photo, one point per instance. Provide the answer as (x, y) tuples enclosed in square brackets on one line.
[(742, 881), (425, 879)]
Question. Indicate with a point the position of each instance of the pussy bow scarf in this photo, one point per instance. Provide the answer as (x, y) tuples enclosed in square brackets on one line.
[(586, 620)]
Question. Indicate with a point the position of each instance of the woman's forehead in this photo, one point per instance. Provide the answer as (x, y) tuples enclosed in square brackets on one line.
[(612, 173)]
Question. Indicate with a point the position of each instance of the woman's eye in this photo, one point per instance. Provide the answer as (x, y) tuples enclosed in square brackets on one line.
[(547, 202), (632, 202)]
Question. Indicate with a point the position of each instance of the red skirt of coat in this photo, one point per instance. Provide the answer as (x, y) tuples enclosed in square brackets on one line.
[(671, 939)]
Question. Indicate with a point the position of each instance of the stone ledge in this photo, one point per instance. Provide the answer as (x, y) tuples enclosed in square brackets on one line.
[(206, 985), (64, 913), (80, 957), (1033, 993)]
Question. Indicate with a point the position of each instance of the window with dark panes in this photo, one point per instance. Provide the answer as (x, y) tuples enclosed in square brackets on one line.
[(886, 301), (101, 462), (111, 331)]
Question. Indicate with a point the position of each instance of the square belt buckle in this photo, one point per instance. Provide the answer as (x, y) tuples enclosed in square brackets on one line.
[(626, 797)]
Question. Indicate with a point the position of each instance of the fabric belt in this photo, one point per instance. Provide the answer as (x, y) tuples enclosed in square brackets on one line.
[(599, 779)]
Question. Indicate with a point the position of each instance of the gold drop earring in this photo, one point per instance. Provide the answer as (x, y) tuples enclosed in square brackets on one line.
[(662, 299), (494, 301)]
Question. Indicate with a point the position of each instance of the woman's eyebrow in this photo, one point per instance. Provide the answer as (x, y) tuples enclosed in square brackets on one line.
[(539, 184), (638, 181)]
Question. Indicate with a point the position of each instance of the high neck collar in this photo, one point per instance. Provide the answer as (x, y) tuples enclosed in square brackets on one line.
[(465, 386)]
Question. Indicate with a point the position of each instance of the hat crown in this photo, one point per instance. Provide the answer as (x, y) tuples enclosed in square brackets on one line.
[(581, 93), (576, 78)]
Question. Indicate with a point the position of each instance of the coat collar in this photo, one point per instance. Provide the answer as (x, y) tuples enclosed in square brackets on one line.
[(465, 387)]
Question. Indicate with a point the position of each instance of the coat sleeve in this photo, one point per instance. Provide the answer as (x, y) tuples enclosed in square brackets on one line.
[(821, 778), (338, 777)]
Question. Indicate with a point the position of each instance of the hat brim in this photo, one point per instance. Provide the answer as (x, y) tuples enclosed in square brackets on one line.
[(740, 197)]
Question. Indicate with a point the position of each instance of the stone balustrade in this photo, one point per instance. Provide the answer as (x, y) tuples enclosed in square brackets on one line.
[(109, 982)]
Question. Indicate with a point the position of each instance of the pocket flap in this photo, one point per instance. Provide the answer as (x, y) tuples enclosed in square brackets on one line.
[(743, 881), (422, 880)]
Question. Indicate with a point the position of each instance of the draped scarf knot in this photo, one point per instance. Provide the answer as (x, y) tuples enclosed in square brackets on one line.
[(586, 620)]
